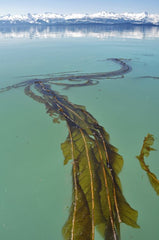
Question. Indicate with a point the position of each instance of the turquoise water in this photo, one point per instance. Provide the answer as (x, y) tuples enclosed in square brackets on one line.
[(35, 186)]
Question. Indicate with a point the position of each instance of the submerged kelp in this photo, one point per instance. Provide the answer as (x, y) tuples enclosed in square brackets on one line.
[(98, 200), (145, 152)]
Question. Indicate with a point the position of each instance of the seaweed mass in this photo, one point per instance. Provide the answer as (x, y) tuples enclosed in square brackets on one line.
[(98, 201)]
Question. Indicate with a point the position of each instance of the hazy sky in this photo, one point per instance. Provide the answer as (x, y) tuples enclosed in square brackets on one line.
[(81, 6)]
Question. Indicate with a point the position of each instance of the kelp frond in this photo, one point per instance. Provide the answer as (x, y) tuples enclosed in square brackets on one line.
[(98, 200), (145, 152)]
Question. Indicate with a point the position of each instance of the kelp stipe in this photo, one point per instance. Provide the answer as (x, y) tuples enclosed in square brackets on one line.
[(145, 152), (97, 195)]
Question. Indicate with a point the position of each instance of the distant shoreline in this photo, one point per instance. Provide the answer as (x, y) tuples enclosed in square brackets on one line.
[(66, 24)]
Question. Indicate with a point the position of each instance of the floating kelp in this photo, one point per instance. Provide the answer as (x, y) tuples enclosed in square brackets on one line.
[(97, 196), (152, 77), (89, 79), (145, 152), (98, 200)]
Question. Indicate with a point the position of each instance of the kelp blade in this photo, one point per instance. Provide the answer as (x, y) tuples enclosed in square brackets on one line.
[(103, 215), (79, 227), (145, 152)]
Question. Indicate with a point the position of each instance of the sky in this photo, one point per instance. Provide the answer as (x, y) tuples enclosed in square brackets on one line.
[(74, 6)]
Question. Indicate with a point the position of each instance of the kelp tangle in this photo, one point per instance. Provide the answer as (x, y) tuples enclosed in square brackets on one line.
[(98, 200), (145, 152), (73, 79)]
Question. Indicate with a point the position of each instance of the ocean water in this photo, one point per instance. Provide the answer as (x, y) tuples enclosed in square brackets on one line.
[(35, 186)]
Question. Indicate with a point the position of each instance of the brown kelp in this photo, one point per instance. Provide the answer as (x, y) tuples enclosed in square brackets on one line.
[(145, 152), (97, 196), (98, 200), (73, 79)]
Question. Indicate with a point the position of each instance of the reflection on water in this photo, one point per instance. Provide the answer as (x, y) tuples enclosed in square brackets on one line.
[(93, 30)]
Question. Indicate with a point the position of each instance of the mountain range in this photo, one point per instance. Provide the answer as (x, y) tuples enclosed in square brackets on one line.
[(103, 17)]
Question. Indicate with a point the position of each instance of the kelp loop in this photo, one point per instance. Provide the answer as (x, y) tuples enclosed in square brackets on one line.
[(75, 79)]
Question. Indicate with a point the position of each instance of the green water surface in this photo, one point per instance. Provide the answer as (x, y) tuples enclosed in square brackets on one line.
[(35, 186)]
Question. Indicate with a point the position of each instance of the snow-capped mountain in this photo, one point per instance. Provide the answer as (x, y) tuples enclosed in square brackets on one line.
[(96, 18)]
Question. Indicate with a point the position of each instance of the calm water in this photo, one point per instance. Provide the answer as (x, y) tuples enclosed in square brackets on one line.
[(35, 186)]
